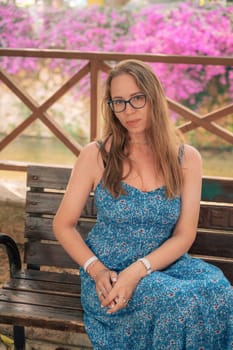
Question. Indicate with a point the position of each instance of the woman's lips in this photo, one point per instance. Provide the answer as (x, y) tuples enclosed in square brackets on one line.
[(133, 122)]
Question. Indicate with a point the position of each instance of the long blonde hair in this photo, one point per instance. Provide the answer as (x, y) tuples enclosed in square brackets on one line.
[(161, 134)]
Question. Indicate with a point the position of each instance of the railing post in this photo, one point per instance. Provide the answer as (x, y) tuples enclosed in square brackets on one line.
[(95, 96)]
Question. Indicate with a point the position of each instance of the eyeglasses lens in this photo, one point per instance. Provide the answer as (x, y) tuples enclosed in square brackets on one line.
[(136, 102)]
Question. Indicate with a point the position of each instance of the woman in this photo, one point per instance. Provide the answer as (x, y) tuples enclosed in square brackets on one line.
[(140, 288)]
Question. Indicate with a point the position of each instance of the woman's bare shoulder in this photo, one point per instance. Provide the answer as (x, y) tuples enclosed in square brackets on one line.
[(89, 151), (192, 163), (89, 158), (191, 154)]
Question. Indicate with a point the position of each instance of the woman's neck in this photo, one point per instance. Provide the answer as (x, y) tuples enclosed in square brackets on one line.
[(138, 141), (145, 142)]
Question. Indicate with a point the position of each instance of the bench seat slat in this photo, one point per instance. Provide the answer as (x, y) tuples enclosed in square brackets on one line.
[(43, 287), (36, 298), (57, 277), (43, 317)]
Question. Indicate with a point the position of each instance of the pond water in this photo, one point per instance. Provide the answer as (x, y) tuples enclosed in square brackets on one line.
[(216, 162)]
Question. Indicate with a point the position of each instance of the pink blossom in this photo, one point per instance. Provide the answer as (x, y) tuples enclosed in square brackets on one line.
[(183, 30)]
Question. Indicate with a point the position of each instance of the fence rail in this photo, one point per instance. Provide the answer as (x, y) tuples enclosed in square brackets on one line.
[(95, 63)]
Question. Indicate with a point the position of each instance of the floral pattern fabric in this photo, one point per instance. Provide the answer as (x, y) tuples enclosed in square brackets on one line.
[(189, 305)]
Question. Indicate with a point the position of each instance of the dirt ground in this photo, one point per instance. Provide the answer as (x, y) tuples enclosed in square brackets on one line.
[(12, 223)]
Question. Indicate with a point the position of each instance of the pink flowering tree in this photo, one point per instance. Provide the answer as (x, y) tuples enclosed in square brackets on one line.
[(16, 31), (186, 30)]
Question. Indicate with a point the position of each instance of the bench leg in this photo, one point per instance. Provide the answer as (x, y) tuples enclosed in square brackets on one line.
[(19, 338)]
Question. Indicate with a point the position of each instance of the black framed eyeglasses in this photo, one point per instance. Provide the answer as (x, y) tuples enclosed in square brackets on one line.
[(119, 105)]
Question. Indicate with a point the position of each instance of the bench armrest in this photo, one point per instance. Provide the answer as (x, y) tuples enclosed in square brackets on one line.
[(12, 252)]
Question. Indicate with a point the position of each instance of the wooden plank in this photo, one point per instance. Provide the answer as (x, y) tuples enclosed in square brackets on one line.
[(17, 131), (58, 277), (213, 244), (216, 216), (217, 189), (226, 265), (44, 254), (43, 287), (199, 120), (116, 56), (21, 166), (52, 177), (41, 317), (43, 300), (42, 203), (210, 116), (95, 95), (21, 94), (38, 228), (13, 166), (48, 203)]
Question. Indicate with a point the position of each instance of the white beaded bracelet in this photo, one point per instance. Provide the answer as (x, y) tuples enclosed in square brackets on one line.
[(89, 262), (146, 264)]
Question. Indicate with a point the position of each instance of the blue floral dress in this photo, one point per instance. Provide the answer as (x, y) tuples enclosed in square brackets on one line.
[(189, 305)]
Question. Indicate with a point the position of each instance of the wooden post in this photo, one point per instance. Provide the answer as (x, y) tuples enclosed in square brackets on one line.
[(94, 99)]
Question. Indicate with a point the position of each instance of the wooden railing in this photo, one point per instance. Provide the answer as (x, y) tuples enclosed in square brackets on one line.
[(96, 63)]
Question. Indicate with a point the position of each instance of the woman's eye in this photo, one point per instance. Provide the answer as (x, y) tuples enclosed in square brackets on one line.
[(118, 102), (138, 97)]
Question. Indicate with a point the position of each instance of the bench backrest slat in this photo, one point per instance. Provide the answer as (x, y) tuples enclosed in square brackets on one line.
[(216, 216), (47, 203), (45, 254), (217, 189), (217, 244), (48, 177), (40, 228)]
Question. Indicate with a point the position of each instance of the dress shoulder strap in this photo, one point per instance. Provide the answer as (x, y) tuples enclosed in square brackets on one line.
[(100, 144), (181, 153)]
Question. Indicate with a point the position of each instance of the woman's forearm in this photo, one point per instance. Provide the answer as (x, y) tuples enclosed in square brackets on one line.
[(74, 244), (169, 252)]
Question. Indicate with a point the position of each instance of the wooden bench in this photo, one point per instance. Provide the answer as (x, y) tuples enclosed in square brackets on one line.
[(44, 290)]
